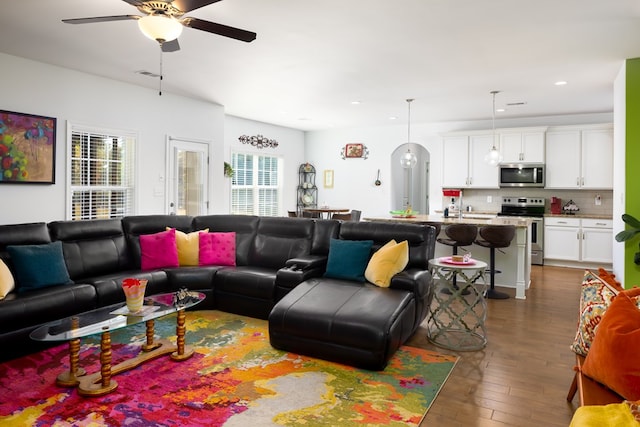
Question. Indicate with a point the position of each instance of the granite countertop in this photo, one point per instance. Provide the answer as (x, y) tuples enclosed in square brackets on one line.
[(498, 220)]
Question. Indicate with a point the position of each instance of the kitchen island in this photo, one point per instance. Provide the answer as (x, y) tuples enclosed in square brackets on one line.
[(514, 262)]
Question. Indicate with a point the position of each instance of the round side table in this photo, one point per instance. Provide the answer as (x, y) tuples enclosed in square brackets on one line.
[(458, 310)]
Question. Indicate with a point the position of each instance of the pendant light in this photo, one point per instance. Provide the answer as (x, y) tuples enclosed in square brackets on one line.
[(408, 159), (493, 157)]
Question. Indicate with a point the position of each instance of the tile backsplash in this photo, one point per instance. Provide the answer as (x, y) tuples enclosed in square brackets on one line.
[(584, 199)]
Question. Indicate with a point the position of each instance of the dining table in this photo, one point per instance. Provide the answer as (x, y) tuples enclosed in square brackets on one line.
[(325, 212)]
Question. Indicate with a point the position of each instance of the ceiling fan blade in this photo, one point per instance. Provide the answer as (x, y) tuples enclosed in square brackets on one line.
[(100, 19), (222, 30), (189, 5), (135, 3), (171, 46)]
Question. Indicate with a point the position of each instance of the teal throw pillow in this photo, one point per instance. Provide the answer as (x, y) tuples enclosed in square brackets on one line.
[(348, 259), (38, 266)]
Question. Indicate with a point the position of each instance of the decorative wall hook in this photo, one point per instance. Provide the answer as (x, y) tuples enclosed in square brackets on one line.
[(258, 141)]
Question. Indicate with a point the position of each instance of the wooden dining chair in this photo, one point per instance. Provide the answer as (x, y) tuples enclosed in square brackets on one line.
[(292, 214), (341, 216)]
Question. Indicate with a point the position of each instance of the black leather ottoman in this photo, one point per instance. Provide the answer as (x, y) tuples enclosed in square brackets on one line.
[(353, 323)]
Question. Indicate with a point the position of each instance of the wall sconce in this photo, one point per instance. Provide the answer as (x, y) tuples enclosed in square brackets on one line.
[(258, 141)]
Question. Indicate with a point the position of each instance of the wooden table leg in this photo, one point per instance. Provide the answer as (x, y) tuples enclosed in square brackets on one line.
[(70, 378), (150, 344), (181, 353), (106, 385)]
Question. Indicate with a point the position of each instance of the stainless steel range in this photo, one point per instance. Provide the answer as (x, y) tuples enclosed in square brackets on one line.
[(533, 208)]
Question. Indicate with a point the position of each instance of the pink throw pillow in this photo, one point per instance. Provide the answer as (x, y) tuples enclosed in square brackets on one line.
[(217, 248), (158, 250)]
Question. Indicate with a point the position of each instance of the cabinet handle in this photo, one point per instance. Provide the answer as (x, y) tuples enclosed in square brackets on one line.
[(600, 223), (562, 222), (578, 235), (578, 181), (582, 181)]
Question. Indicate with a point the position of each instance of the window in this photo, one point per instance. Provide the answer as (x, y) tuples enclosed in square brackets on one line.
[(101, 176), (255, 186)]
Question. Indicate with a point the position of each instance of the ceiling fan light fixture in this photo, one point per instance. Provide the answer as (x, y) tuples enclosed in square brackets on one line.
[(160, 28)]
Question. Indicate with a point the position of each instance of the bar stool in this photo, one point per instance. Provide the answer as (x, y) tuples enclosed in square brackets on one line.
[(458, 235), (436, 225), (493, 237)]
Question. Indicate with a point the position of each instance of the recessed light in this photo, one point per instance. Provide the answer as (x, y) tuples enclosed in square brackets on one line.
[(356, 102), (500, 110), (393, 118), (560, 83)]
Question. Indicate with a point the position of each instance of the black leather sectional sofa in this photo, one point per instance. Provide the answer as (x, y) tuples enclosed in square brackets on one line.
[(274, 255)]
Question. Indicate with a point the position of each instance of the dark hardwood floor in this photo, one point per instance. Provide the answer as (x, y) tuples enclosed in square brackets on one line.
[(522, 376)]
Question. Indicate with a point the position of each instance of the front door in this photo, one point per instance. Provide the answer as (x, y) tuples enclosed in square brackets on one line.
[(187, 177)]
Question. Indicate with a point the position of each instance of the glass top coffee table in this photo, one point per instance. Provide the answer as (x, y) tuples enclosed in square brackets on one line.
[(106, 319)]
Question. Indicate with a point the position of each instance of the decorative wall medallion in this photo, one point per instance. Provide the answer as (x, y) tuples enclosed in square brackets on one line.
[(258, 141), (354, 151)]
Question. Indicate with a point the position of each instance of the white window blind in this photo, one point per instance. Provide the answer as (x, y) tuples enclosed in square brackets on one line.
[(255, 186), (101, 176)]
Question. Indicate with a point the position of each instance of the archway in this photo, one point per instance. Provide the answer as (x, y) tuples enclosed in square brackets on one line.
[(410, 185)]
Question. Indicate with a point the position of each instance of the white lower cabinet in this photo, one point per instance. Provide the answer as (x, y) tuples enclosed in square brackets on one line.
[(597, 240), (562, 238), (578, 239)]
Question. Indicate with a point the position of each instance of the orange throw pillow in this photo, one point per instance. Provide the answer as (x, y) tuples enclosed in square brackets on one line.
[(613, 357), (610, 278)]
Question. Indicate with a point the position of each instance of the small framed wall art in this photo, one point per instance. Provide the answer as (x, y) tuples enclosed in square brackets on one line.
[(27, 148), (328, 178), (354, 151)]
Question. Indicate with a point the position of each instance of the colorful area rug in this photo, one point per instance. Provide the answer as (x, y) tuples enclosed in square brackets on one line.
[(235, 378)]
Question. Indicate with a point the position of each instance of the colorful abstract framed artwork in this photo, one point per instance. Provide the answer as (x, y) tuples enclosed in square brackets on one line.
[(27, 148)]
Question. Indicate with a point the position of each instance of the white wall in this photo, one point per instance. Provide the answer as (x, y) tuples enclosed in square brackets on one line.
[(619, 169), (37, 88), (354, 178), (290, 148)]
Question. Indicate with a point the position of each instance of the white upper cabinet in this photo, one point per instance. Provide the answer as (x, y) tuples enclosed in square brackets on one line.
[(455, 165), (580, 157), (481, 173), (463, 161), (522, 145), (597, 158)]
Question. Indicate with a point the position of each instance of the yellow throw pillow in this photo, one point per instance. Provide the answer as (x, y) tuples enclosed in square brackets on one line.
[(389, 260), (613, 415), (188, 245), (7, 283)]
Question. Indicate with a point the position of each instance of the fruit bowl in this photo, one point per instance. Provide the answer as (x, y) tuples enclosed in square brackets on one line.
[(403, 214)]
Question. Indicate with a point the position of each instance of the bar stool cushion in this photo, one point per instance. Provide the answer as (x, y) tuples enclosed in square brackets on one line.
[(388, 261), (496, 236), (459, 235)]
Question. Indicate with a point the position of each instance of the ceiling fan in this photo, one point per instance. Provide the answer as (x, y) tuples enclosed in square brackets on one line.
[(164, 20)]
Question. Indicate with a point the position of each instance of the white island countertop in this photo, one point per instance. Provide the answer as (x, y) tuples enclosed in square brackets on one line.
[(514, 262)]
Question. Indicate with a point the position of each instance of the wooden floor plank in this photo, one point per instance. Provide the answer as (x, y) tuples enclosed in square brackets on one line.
[(522, 376)]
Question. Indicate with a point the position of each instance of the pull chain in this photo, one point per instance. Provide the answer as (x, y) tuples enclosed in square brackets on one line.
[(160, 82)]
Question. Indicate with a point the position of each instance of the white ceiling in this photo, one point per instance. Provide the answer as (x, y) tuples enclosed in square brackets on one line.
[(311, 59)]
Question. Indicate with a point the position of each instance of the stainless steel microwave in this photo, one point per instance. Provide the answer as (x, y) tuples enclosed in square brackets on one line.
[(522, 175)]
